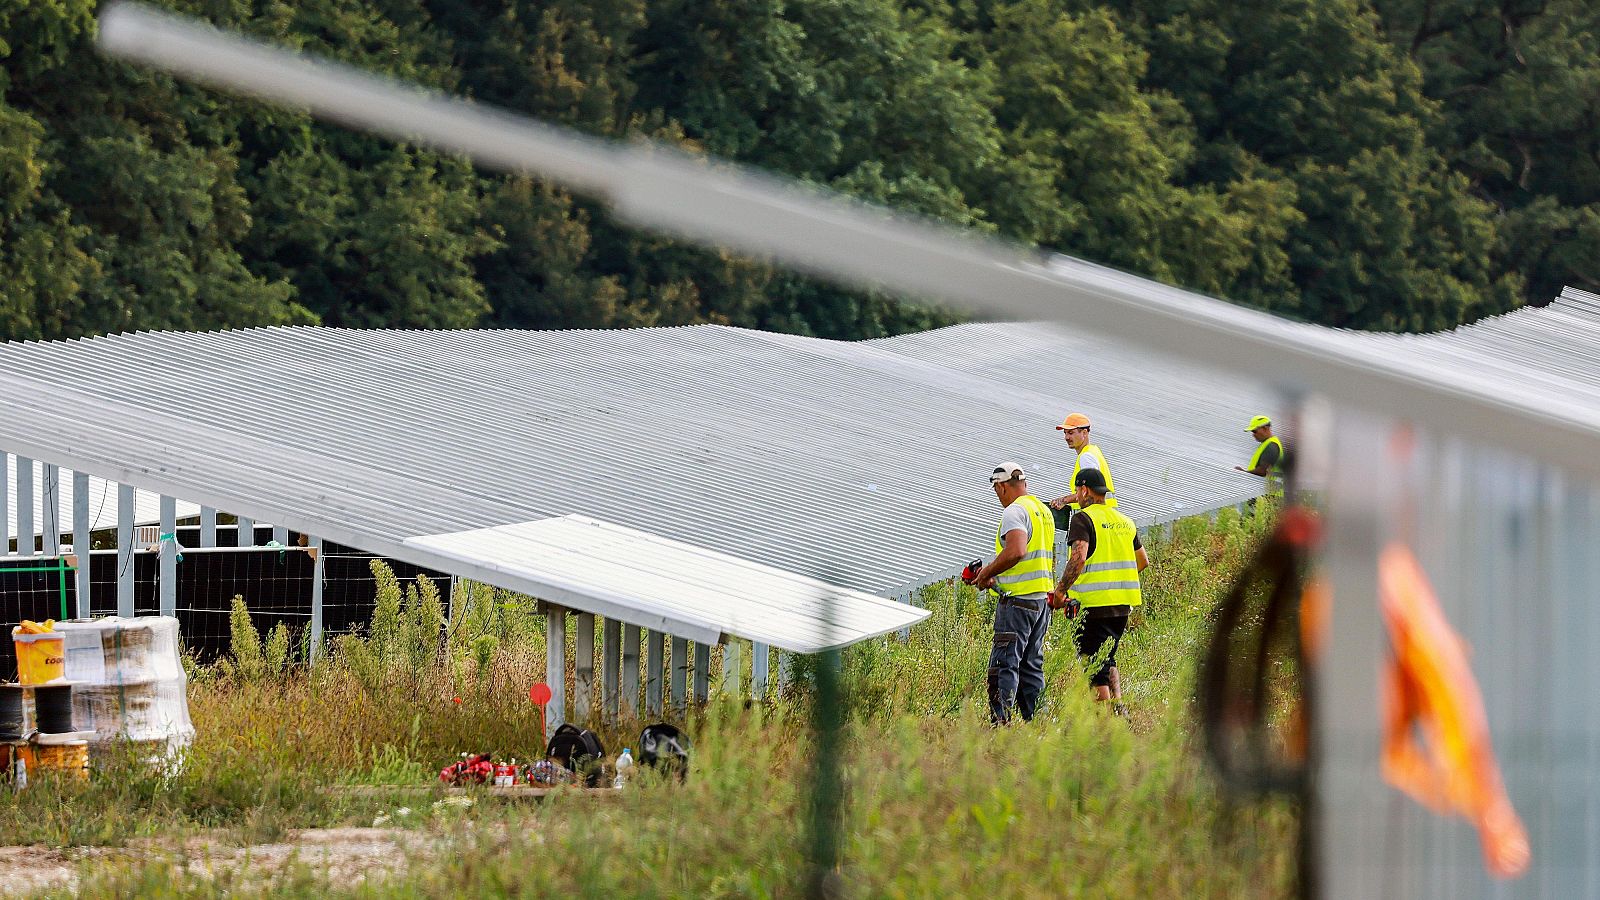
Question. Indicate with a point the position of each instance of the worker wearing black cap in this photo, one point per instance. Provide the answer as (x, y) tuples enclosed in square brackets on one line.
[(1102, 574)]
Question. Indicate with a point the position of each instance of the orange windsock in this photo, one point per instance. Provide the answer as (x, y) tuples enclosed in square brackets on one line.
[(1436, 736)]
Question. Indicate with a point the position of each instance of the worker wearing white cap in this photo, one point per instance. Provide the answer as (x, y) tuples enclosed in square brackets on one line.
[(1021, 575), (1270, 454)]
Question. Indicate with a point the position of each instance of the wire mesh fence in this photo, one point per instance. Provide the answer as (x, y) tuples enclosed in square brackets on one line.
[(276, 582), (36, 588)]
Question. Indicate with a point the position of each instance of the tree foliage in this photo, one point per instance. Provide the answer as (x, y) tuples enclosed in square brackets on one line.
[(1399, 164)]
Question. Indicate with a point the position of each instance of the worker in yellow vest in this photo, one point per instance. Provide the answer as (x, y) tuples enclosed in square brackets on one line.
[(1076, 429), (1102, 574), (1020, 575), (1270, 456)]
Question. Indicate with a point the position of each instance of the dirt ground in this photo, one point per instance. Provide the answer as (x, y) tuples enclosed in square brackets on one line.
[(346, 855)]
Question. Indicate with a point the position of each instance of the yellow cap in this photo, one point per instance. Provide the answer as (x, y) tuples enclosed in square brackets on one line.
[(1076, 420), (1257, 422)]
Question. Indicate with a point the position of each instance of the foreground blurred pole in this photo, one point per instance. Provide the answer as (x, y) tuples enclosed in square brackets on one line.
[(826, 820)]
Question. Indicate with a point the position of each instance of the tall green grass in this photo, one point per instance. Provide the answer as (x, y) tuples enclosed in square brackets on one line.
[(938, 803)]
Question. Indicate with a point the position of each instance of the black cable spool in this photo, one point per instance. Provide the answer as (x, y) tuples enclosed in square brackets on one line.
[(53, 708), (11, 712)]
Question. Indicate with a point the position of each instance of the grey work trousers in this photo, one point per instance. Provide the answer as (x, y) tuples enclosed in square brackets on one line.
[(1016, 664)]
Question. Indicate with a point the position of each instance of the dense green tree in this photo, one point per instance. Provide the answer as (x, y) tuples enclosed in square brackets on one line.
[(1389, 236), (1396, 165), (1519, 81), (1116, 153)]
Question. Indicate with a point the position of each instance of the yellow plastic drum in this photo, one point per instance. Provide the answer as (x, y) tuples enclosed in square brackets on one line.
[(41, 658), (70, 759)]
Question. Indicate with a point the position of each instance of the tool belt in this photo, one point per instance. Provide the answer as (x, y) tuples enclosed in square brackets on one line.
[(1029, 605)]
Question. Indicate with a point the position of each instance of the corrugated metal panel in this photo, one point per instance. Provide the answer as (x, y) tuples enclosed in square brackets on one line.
[(102, 502), (613, 570), (845, 461), (1509, 544), (738, 209)]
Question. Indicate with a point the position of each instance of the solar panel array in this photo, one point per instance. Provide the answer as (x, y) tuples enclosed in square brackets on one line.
[(863, 464)]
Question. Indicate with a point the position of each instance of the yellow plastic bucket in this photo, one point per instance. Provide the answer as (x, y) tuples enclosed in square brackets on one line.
[(70, 759), (41, 658)]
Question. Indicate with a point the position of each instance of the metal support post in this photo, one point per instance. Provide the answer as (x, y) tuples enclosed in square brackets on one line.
[(733, 667), (125, 551), (702, 672), (247, 533), (760, 659), (655, 653), (680, 671), (280, 534), (169, 556), (24, 506), (630, 672), (82, 543), (555, 668), (208, 527), (610, 637), (5, 503), (318, 569), (583, 669), (52, 510)]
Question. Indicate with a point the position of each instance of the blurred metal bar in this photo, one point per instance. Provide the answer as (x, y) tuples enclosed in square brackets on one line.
[(702, 672), (25, 529), (280, 534), (246, 533), (655, 652), (733, 667), (208, 527), (630, 672), (610, 639), (82, 542), (125, 550), (5, 503), (760, 659), (52, 510), (583, 669), (169, 556), (318, 573), (555, 668), (679, 666)]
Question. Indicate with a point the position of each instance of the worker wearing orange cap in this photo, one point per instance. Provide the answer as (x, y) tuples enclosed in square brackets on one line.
[(1076, 428)]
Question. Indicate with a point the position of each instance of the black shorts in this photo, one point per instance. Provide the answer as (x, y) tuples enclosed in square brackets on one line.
[(1093, 632)]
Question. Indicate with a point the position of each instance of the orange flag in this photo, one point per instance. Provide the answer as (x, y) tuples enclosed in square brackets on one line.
[(1436, 736)]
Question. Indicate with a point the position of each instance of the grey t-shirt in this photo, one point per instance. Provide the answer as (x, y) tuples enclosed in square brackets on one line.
[(1016, 518)]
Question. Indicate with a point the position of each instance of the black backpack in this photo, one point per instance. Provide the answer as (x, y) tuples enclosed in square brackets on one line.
[(665, 749), (580, 750)]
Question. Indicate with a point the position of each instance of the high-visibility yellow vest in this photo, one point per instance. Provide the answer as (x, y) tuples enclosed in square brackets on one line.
[(1035, 572), (1111, 575), (1094, 450), (1255, 460)]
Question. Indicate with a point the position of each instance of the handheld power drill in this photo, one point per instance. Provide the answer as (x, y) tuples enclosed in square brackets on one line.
[(969, 573)]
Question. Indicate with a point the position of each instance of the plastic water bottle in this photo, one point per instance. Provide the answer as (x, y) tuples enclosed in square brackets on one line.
[(624, 767), (20, 768)]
